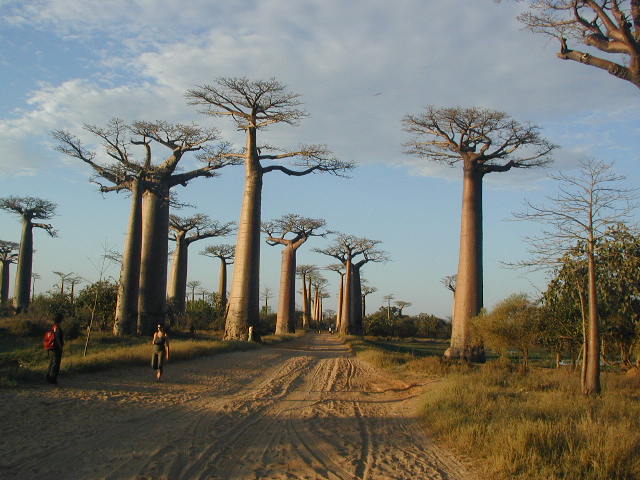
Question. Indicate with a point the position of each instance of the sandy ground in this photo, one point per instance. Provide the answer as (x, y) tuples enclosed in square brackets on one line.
[(306, 409)]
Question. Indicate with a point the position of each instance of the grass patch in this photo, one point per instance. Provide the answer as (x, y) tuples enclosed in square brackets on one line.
[(531, 426)]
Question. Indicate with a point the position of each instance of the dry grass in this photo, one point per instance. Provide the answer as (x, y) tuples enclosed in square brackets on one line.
[(534, 426)]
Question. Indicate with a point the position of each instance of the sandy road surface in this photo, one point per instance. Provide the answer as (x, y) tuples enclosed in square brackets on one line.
[(302, 410)]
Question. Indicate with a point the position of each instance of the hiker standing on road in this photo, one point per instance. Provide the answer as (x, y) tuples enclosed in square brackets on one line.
[(160, 350), (54, 345)]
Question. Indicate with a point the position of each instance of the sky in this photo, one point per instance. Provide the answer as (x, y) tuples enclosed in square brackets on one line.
[(360, 67)]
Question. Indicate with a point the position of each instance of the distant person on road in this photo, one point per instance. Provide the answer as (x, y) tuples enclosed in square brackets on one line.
[(54, 349), (160, 343)]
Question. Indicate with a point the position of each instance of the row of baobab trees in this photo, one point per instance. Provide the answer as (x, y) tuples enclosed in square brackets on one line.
[(484, 141)]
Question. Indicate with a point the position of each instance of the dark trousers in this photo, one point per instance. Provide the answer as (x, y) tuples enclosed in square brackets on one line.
[(55, 357)]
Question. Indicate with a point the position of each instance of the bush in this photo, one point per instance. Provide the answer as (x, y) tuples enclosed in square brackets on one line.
[(22, 327)]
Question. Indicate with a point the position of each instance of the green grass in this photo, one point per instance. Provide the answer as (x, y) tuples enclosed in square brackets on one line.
[(526, 426)]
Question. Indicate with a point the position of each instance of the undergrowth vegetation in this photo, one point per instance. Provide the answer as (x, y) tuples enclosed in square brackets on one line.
[(530, 426)]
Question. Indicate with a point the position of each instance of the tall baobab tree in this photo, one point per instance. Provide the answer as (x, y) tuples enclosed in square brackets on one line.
[(299, 229), (226, 255), (346, 248), (388, 298), (609, 29), (74, 280), (319, 284), (150, 184), (484, 141), (339, 269), (180, 227), (579, 215), (8, 255), (29, 209), (253, 106), (366, 290), (303, 272)]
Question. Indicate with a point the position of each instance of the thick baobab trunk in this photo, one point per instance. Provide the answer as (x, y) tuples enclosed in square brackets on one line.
[(592, 360), (356, 303), (128, 288), (178, 280), (305, 303), (222, 284), (285, 321), (22, 287), (345, 317), (152, 304), (468, 297), (244, 308), (340, 303), (4, 278)]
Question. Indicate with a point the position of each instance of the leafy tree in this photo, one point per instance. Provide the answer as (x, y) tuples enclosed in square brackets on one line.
[(513, 323), (484, 141)]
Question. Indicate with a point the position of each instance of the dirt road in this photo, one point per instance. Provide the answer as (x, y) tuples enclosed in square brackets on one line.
[(306, 409)]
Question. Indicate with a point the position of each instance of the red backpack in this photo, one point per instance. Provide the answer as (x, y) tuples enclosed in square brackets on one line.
[(49, 340)]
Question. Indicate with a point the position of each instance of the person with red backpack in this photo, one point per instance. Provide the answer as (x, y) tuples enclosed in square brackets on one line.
[(54, 344)]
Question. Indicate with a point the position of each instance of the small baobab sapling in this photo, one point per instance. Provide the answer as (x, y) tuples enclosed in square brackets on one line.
[(484, 141), (28, 209)]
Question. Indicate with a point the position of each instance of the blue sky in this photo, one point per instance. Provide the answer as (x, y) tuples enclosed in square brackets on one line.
[(360, 66)]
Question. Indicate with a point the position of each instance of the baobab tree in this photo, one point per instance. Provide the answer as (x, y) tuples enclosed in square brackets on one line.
[(319, 285), (304, 272), (253, 106), (346, 248), (580, 214), (150, 183), (29, 209), (201, 227), (484, 141), (34, 276), (340, 270), (63, 278), (401, 304), (8, 255), (266, 295), (388, 298), (74, 280), (193, 284), (299, 229), (226, 255), (366, 291), (609, 29)]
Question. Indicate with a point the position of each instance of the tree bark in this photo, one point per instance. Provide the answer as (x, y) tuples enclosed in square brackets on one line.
[(340, 303), (468, 297), (152, 304), (178, 282), (345, 320), (592, 377), (244, 301), (129, 286), (305, 303), (285, 320), (222, 284), (22, 287), (356, 303), (4, 279)]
